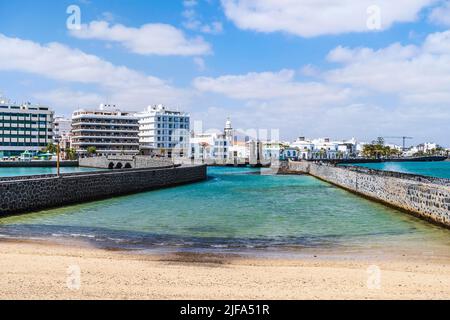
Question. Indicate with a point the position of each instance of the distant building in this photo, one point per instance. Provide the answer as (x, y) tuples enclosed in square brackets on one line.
[(239, 152), (163, 131), (62, 127), (109, 130), (325, 148), (305, 148), (205, 146), (23, 128)]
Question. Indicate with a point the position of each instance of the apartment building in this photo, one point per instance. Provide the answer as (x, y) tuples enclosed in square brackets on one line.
[(109, 130), (163, 131), (23, 128)]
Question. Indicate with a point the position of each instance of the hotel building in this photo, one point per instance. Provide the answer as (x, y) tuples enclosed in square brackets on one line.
[(163, 131), (23, 128), (109, 130)]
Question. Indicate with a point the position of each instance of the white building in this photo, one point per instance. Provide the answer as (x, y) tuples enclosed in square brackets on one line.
[(209, 146), (305, 148), (23, 128), (163, 131), (215, 146), (239, 152), (275, 150), (62, 127), (325, 148), (109, 130)]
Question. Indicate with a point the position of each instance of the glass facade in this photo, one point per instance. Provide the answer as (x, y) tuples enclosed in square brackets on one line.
[(24, 128)]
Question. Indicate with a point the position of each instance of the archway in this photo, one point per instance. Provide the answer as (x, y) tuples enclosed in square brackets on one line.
[(127, 166), (119, 165), (111, 165)]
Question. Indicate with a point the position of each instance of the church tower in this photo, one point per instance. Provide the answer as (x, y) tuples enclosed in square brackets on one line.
[(228, 130)]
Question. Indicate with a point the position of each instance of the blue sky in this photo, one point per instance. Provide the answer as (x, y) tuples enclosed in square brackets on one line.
[(303, 67)]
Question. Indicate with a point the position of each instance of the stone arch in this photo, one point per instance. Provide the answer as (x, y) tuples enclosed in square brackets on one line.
[(119, 165), (127, 165), (111, 165)]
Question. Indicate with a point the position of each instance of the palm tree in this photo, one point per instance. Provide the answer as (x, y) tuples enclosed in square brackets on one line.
[(91, 150)]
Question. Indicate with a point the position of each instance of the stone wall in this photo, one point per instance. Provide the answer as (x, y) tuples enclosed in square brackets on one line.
[(425, 197), (120, 162), (26, 194)]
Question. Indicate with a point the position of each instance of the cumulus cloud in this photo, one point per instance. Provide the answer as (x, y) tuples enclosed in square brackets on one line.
[(441, 14), (76, 98), (310, 18), (193, 20), (149, 39), (269, 85), (120, 84), (416, 74), (395, 90)]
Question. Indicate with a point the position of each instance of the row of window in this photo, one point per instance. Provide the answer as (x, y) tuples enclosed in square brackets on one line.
[(22, 136), (105, 121), (30, 122), (108, 147), (169, 132), (124, 128), (169, 139), (173, 126), (166, 145), (22, 116), (173, 119), (24, 144), (29, 131)]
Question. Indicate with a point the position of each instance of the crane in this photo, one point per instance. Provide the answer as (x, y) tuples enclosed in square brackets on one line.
[(403, 138)]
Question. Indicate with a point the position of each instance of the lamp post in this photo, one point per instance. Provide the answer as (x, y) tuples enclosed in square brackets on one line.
[(57, 159)]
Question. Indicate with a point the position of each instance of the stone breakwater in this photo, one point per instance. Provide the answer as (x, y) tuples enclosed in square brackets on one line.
[(120, 162), (31, 193), (425, 197)]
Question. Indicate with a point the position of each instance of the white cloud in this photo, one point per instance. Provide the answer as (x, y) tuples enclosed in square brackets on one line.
[(269, 85), (149, 39), (415, 74), (77, 99), (310, 18), (200, 63), (193, 21), (396, 90), (119, 84), (438, 43), (441, 14)]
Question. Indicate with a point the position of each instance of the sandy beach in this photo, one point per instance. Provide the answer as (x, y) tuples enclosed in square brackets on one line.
[(41, 270)]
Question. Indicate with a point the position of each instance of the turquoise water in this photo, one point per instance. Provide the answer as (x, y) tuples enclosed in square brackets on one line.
[(233, 209), (440, 169), (22, 171)]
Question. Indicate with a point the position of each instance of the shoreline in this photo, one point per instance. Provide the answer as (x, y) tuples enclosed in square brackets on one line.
[(40, 270)]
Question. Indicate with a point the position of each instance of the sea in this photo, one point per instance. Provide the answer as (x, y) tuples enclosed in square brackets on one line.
[(238, 210)]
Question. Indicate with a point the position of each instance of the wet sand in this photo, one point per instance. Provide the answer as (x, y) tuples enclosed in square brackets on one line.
[(42, 270)]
